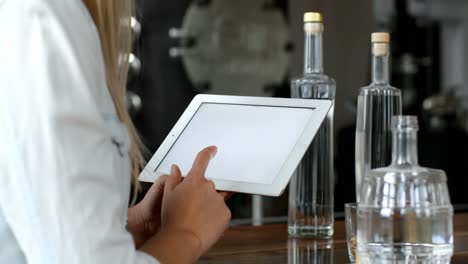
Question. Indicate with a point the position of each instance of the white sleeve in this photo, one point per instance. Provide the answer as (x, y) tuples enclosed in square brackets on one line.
[(58, 189)]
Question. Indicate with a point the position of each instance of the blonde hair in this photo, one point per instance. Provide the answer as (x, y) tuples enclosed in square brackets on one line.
[(112, 19)]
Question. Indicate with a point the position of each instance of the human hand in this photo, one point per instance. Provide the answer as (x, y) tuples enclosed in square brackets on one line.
[(193, 206), (144, 219)]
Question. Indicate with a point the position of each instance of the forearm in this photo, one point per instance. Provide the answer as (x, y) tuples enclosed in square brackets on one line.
[(173, 247)]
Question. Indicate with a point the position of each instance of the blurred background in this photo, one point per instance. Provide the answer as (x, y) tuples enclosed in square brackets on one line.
[(254, 47)]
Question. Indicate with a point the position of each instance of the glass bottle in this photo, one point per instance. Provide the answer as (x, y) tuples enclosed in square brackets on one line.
[(311, 187), (405, 215), (377, 104)]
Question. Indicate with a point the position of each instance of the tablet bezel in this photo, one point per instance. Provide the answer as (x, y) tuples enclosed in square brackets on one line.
[(276, 188)]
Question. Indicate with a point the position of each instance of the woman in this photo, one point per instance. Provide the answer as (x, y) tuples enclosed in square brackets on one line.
[(68, 147)]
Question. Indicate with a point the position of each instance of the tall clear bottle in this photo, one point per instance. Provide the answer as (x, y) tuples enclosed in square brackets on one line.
[(377, 104), (311, 187)]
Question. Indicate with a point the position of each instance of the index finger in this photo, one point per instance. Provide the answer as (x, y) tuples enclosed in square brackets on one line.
[(201, 162)]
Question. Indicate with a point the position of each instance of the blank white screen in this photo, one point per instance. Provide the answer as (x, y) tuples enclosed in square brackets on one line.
[(253, 141)]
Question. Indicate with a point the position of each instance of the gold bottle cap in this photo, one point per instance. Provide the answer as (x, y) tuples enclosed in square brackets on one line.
[(380, 37), (313, 17)]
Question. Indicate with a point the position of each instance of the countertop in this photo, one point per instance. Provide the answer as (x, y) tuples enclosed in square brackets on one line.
[(271, 244)]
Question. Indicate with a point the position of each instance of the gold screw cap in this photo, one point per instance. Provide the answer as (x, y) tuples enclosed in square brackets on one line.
[(380, 37), (313, 17)]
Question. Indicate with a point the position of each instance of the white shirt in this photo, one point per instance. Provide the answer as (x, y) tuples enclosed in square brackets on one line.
[(64, 164)]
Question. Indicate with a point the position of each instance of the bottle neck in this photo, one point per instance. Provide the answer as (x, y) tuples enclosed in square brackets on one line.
[(313, 60), (405, 147), (380, 63)]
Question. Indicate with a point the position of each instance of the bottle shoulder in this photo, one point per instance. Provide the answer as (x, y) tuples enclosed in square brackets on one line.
[(315, 78), (313, 86), (405, 187), (379, 89), (396, 173)]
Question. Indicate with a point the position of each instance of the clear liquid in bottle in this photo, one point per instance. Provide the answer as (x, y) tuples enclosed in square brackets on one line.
[(377, 104), (311, 186)]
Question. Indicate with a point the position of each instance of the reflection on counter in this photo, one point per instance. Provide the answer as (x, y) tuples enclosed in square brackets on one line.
[(310, 251)]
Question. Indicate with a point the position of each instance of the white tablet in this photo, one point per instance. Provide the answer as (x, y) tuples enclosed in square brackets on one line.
[(260, 140)]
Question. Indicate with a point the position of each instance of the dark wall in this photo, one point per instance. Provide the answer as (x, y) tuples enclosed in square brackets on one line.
[(162, 83)]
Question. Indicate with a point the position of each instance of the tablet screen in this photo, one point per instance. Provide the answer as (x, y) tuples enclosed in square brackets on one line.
[(253, 141)]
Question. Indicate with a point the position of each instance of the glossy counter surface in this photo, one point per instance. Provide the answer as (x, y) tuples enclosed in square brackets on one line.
[(271, 244)]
